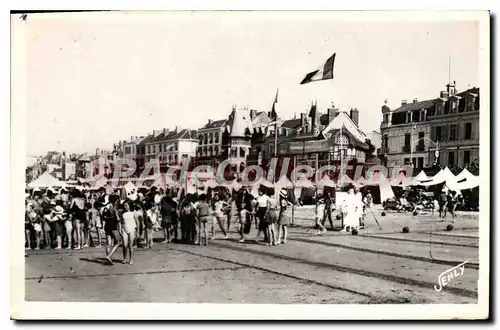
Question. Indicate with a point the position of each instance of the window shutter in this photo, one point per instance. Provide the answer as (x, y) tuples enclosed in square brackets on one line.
[(459, 131), (433, 133), (473, 130), (446, 133)]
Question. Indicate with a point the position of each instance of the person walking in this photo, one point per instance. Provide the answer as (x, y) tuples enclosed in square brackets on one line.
[(128, 232), (262, 204), (283, 219), (328, 203), (271, 216), (219, 206), (203, 213), (112, 228)]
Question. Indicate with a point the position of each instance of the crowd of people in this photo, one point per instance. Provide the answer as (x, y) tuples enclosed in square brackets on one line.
[(415, 200), (78, 218)]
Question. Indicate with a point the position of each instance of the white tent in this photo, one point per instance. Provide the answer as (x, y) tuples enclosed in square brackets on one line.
[(345, 180), (421, 177), (386, 191), (326, 182), (445, 175), (466, 180), (46, 180), (465, 174)]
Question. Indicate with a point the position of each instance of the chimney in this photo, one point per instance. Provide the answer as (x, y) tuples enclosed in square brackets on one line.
[(210, 121), (253, 114), (415, 100), (165, 131), (303, 119), (355, 116), (403, 102), (176, 129), (332, 113)]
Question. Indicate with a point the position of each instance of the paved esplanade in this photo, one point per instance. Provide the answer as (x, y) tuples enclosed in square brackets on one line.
[(377, 266)]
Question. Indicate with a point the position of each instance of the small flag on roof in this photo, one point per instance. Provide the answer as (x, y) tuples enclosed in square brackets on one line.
[(325, 72)]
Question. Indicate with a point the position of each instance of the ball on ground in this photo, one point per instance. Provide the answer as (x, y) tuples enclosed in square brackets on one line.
[(383, 214), (406, 229), (354, 231), (449, 227), (339, 217)]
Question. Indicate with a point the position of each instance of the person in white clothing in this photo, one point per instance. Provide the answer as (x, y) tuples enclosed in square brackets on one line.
[(359, 205), (128, 232), (262, 204), (351, 219)]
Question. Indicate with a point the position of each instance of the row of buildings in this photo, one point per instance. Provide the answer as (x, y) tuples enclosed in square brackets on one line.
[(60, 165), (441, 131), (247, 137)]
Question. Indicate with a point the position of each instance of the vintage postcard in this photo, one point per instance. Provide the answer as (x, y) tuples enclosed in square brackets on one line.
[(250, 165)]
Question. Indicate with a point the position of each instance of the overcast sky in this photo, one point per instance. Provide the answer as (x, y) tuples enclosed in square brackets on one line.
[(94, 79)]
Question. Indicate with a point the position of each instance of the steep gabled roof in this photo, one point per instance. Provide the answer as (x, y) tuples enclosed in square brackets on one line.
[(292, 123)]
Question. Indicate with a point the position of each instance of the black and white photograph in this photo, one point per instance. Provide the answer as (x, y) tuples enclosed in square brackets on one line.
[(250, 165)]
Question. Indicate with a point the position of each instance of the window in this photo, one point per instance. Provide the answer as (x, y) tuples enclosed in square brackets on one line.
[(407, 146), (447, 107), (169, 159), (242, 152), (408, 117), (234, 152), (451, 159), (420, 162), (154, 148), (160, 148), (205, 151), (386, 142), (407, 161), (149, 149), (175, 146), (453, 132), (176, 158), (211, 138), (446, 133), (462, 105), (468, 131), (421, 141), (185, 156), (210, 151), (439, 133), (416, 116), (414, 162), (470, 105), (466, 158), (216, 151), (205, 138), (216, 138), (386, 118), (200, 138)]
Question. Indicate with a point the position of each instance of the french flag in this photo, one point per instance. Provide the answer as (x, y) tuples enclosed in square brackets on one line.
[(325, 72)]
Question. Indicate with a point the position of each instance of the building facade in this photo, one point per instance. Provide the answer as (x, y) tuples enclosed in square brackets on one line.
[(316, 139), (443, 131), (209, 147), (171, 147)]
